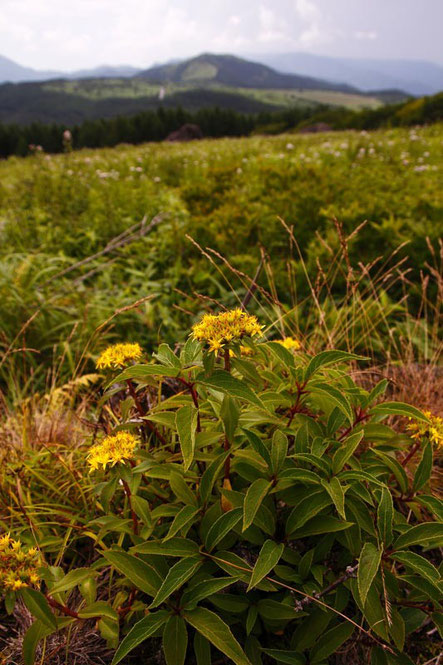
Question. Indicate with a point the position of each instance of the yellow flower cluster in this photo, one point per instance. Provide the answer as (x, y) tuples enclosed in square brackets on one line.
[(218, 330), (433, 431), (290, 343), (119, 355), (112, 450), (18, 566)]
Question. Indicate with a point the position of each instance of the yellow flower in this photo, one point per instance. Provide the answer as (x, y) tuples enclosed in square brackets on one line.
[(433, 430), (220, 329), (18, 565), (119, 355), (290, 343), (112, 450)]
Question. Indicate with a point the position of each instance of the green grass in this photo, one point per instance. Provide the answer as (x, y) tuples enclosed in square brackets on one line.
[(227, 195), (126, 88)]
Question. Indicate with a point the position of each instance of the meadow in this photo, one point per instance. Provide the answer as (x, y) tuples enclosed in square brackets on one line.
[(248, 490)]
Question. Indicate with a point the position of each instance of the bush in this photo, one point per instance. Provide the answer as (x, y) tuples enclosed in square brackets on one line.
[(250, 499)]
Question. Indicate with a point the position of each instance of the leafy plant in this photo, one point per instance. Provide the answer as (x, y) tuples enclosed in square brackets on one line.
[(252, 500)]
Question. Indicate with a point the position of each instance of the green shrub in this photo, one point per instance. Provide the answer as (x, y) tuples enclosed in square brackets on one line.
[(252, 500)]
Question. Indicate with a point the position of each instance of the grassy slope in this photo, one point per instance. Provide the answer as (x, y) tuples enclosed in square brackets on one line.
[(227, 194), (134, 88)]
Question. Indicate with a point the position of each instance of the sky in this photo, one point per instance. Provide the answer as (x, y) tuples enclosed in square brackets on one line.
[(75, 34)]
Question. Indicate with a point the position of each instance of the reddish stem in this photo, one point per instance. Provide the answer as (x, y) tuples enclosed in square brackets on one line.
[(62, 608), (411, 453), (133, 514)]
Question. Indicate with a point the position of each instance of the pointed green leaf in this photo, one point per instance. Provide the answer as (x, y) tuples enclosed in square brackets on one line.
[(183, 517), (419, 564), (141, 508), (347, 449), (139, 633), (331, 641), (180, 573), (368, 566), (38, 606), (335, 397), (98, 609), (398, 409), (336, 492), (175, 641), (253, 499), (329, 358), (221, 527), (204, 589), (421, 534), (385, 517), (218, 633), (423, 472), (186, 422), (179, 547), (223, 382), (268, 558), (307, 508), (141, 574)]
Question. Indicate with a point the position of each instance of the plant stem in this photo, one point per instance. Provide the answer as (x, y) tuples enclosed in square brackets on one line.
[(133, 514), (227, 358)]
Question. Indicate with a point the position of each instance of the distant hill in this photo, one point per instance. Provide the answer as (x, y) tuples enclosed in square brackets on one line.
[(230, 70), (415, 77), (11, 72)]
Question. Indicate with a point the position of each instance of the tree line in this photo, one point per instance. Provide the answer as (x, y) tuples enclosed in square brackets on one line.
[(156, 125)]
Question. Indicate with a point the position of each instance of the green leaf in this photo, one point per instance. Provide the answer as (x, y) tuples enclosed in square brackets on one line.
[(210, 475), (253, 499), (179, 547), (398, 409), (289, 657), (175, 641), (279, 450), (336, 492), (335, 398), (419, 564), (433, 504), (72, 579), (307, 508), (98, 609), (38, 606), (424, 469), (186, 423), (321, 524), (180, 573), (396, 468), (221, 527), (225, 383), (300, 475), (183, 517), (140, 573), (181, 489), (331, 641), (202, 650), (142, 372), (421, 534), (139, 633), (268, 558), (258, 444), (204, 589), (229, 414), (347, 449), (397, 628), (141, 508), (282, 354), (368, 566), (329, 358), (385, 517), (36, 632), (218, 633)]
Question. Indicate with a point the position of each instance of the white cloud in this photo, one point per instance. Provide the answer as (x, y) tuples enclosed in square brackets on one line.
[(272, 28), (307, 10), (365, 34)]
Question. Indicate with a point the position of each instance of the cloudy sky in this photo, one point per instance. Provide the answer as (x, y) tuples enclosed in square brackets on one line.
[(58, 34)]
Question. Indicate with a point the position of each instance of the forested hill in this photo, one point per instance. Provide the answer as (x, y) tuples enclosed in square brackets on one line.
[(237, 72)]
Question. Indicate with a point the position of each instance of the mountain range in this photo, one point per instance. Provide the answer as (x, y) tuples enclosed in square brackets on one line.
[(415, 77)]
